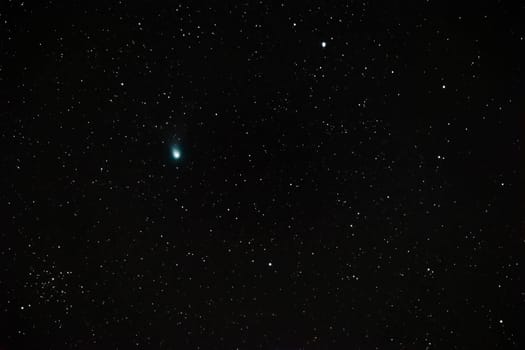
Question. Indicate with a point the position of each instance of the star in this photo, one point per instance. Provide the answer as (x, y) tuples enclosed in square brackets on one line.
[(323, 44)]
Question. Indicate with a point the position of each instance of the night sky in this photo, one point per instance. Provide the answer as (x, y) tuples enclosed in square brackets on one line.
[(262, 175)]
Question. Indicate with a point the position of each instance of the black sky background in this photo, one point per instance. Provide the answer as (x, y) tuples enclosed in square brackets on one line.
[(363, 195)]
